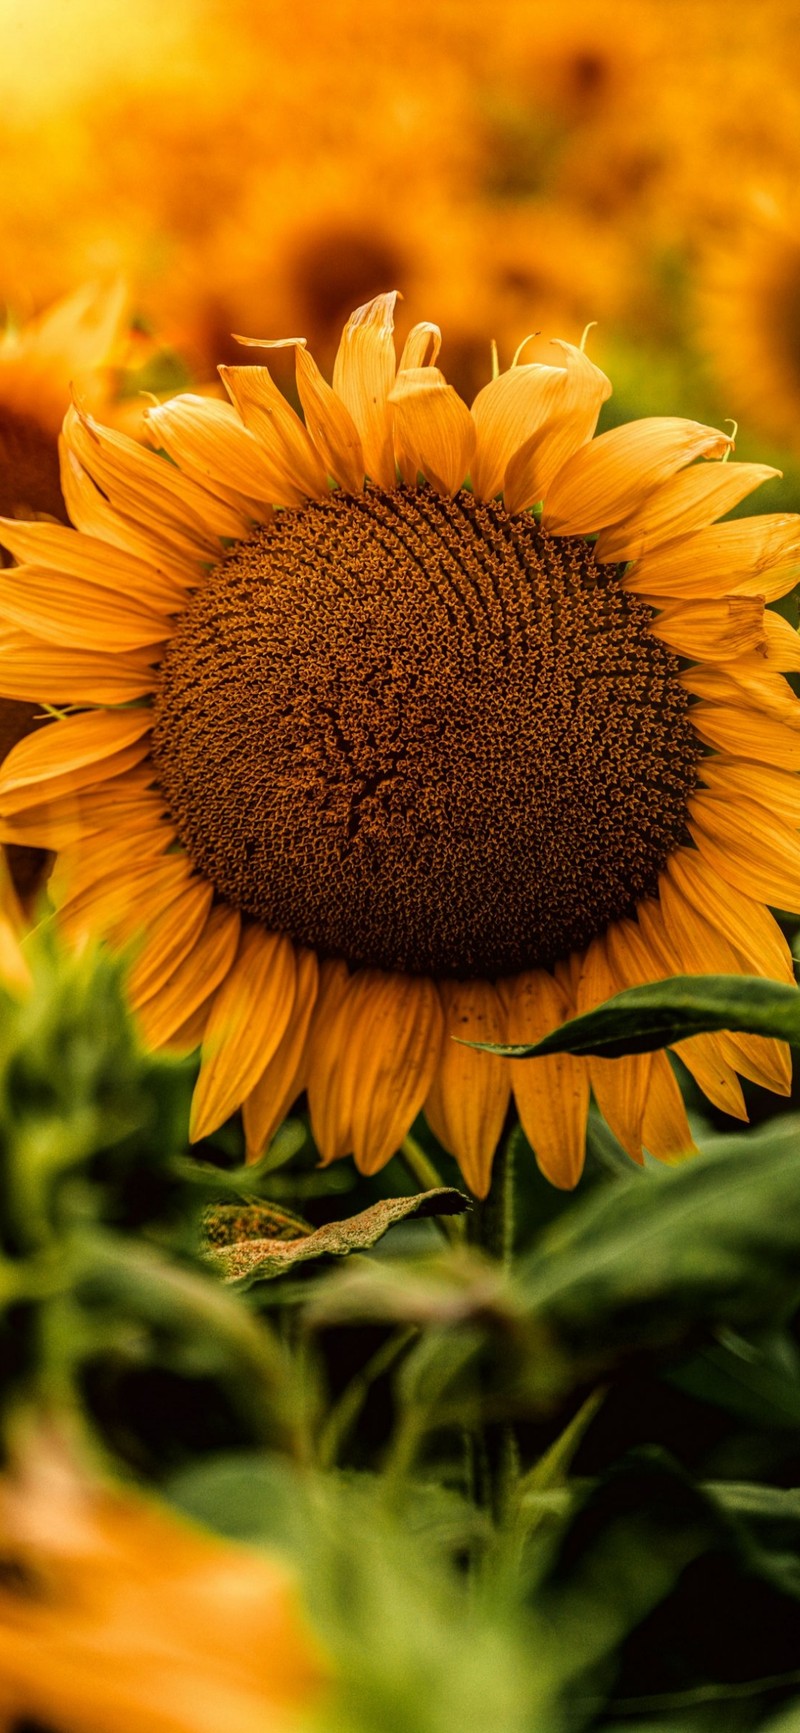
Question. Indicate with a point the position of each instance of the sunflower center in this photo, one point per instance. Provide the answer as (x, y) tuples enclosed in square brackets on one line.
[(423, 735)]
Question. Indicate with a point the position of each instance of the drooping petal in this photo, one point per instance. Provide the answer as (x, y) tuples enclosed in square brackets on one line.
[(170, 941), (613, 476), (665, 1128), (329, 1101), (421, 347), (395, 1046), (686, 503), (363, 376), (250, 1014), (433, 430), (620, 1085), (194, 981), (552, 1094), (469, 1096), (270, 1099)]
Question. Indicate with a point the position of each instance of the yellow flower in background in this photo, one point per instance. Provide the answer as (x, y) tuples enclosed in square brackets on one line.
[(118, 1617), (749, 315), (401, 762), (73, 346)]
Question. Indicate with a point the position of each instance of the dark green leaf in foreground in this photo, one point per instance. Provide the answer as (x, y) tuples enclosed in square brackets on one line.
[(251, 1254), (645, 1018)]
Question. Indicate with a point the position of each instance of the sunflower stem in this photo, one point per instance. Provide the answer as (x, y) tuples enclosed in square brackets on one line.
[(493, 1218)]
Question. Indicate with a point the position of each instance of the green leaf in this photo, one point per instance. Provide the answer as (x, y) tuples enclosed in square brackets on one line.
[(265, 1258), (645, 1018)]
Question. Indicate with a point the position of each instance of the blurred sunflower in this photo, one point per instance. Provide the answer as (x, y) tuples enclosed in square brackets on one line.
[(76, 344), (117, 1617), (749, 305), (403, 761)]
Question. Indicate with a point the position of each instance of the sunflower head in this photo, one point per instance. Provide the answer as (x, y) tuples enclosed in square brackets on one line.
[(403, 720)]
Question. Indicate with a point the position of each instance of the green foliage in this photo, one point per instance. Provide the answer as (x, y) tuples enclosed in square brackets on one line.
[(645, 1018), (552, 1491)]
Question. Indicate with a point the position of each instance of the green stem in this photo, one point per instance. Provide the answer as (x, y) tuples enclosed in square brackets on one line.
[(344, 1413)]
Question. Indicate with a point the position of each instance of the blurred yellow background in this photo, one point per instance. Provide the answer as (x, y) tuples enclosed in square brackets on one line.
[(263, 168)]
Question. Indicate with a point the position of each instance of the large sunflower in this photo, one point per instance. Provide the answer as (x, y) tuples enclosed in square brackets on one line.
[(376, 765)]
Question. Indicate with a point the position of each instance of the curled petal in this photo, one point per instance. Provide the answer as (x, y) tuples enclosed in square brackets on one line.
[(363, 376)]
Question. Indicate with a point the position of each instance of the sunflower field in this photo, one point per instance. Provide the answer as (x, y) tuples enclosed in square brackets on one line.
[(399, 867)]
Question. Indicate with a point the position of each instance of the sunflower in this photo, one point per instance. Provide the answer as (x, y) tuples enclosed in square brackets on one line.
[(748, 294), (378, 764), (114, 1613)]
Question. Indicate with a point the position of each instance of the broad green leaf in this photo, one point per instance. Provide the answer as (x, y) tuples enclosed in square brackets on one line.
[(645, 1018), (266, 1257)]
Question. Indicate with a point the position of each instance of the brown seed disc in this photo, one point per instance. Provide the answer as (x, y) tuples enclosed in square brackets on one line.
[(422, 734)]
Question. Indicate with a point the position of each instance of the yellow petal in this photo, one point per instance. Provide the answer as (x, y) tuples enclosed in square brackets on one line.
[(468, 1099), (329, 1083), (69, 745), (363, 376), (745, 924), (783, 643), (505, 413), (170, 941), (271, 1098), (250, 1014), (743, 685), (37, 672), (118, 907), (280, 432), (421, 347), (433, 430), (687, 502), (755, 852), (757, 555), (713, 1073), (395, 1042), (56, 548), (620, 1085), (210, 444), (570, 425), (726, 628), (778, 790), (747, 734), (552, 1094), (611, 477), (170, 553), (78, 615), (330, 425), (194, 981), (665, 1130), (149, 488)]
